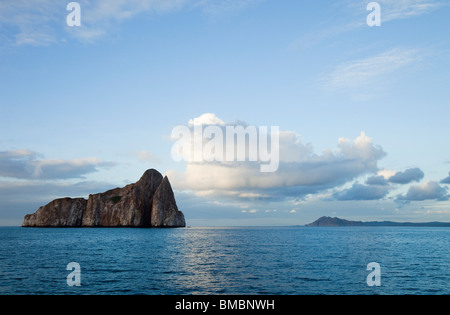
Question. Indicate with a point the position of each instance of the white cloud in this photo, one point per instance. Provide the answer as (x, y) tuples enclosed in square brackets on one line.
[(397, 9), (403, 9), (99, 16), (40, 22), (31, 20), (446, 212), (349, 16), (206, 119), (252, 195), (34, 38), (372, 70), (252, 211), (386, 173), (301, 170)]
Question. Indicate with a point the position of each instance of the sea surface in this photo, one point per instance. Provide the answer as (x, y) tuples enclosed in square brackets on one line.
[(253, 260)]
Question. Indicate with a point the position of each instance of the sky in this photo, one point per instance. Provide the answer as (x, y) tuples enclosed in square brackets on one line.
[(362, 111)]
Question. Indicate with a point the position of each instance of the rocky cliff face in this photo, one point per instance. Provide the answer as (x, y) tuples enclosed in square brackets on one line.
[(148, 203), (164, 208), (65, 212)]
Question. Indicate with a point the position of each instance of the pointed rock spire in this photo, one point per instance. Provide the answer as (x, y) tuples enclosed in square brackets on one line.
[(164, 209)]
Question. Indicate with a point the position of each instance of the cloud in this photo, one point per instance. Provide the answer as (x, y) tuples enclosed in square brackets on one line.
[(18, 198), (377, 180), (372, 70), (403, 9), (18, 191), (347, 18), (38, 22), (408, 176), (446, 180), (206, 119), (446, 212), (362, 192), (386, 173), (250, 211), (428, 191), (147, 157), (377, 187), (392, 10), (24, 164), (301, 171), (100, 16), (215, 7), (29, 22), (42, 22)]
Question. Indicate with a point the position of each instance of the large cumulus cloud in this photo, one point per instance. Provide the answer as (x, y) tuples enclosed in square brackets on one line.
[(301, 170)]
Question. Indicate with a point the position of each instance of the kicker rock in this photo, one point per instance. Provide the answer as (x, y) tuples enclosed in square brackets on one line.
[(148, 203)]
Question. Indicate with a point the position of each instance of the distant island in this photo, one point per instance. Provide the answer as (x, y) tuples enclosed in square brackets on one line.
[(336, 222), (148, 203)]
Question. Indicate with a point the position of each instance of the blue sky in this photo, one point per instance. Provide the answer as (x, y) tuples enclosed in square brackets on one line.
[(363, 110)]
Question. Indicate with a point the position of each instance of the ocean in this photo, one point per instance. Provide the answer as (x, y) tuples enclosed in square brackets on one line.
[(225, 261)]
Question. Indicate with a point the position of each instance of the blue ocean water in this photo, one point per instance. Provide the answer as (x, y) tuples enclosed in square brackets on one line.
[(255, 260)]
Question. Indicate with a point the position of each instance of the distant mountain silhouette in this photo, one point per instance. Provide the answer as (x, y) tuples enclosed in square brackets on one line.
[(336, 222)]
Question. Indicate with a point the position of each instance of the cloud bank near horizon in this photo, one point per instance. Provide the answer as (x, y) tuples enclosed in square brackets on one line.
[(347, 172), (25, 164)]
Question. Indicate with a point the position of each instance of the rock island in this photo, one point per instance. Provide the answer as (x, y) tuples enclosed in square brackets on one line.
[(150, 202)]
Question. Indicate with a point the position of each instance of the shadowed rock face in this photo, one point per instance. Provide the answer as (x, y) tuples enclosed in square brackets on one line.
[(129, 206), (164, 209), (148, 203), (65, 212)]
